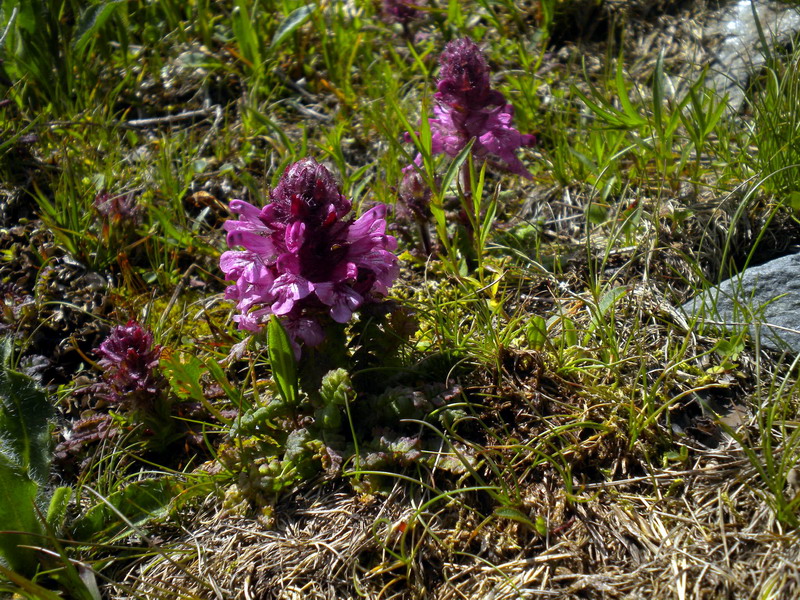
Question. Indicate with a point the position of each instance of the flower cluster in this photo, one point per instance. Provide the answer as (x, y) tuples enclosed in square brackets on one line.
[(122, 207), (467, 107), (302, 258), (400, 11), (130, 367)]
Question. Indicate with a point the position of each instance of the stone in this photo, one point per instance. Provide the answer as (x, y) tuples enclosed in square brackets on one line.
[(765, 298), (739, 54)]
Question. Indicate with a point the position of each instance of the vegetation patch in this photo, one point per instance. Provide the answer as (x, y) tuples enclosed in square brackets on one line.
[(383, 299)]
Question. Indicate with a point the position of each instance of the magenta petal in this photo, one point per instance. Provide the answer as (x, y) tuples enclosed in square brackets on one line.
[(302, 243), (252, 242), (245, 209), (233, 262), (288, 288), (306, 329), (342, 299), (294, 236), (252, 321), (371, 221)]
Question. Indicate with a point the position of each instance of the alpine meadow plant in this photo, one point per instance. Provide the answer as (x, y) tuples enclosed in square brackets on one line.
[(400, 11), (304, 259), (415, 204), (117, 208), (130, 368), (135, 385), (468, 108)]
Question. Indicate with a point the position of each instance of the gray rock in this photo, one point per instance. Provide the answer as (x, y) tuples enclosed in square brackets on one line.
[(766, 297), (739, 54)]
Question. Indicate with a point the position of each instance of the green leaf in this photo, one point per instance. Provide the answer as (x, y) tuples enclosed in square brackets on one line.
[(794, 201), (133, 506), (506, 512), (32, 590), (183, 371), (281, 357), (536, 332), (27, 18), (610, 298), (233, 394), (295, 19), (569, 333), (658, 92), (24, 460), (622, 94), (57, 509), (245, 34), (455, 167), (24, 427), (92, 19), (18, 514)]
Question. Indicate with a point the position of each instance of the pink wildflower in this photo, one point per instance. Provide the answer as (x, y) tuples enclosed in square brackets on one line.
[(400, 11), (122, 207), (130, 367), (467, 107), (303, 259)]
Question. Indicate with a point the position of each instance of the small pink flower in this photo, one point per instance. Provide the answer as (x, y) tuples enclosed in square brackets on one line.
[(130, 366), (400, 11), (468, 108), (120, 207)]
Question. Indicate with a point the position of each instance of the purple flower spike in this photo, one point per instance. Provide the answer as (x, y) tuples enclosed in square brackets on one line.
[(415, 195), (400, 11), (130, 367), (467, 107), (121, 207), (304, 259), (464, 77)]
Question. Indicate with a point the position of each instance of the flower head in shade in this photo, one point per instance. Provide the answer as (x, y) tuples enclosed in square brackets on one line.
[(415, 195), (467, 107), (130, 366), (304, 260), (120, 207), (400, 11)]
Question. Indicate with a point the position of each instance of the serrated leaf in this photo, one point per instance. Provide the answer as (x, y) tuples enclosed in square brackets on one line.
[(24, 414), (295, 19), (282, 361), (92, 19), (183, 371), (24, 460), (17, 513)]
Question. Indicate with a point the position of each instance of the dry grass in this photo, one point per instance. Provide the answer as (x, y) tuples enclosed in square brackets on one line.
[(703, 532)]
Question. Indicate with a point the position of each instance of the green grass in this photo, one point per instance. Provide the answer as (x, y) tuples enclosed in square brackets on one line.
[(521, 371)]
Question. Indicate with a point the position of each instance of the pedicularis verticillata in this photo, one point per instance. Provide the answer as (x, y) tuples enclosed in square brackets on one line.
[(400, 11), (467, 107), (130, 368), (304, 259)]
